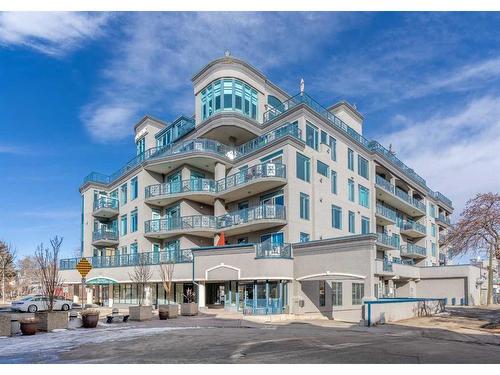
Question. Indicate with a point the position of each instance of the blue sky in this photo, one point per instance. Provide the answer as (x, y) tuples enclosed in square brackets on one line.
[(72, 85)]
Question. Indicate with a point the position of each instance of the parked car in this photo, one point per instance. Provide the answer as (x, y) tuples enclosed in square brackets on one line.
[(36, 303)]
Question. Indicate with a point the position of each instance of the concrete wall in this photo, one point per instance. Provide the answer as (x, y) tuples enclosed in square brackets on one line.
[(380, 312)]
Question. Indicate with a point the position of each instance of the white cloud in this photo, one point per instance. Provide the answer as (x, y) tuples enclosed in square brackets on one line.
[(457, 153), (50, 33)]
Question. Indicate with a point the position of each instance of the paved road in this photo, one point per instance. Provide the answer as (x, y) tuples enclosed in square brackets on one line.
[(208, 340)]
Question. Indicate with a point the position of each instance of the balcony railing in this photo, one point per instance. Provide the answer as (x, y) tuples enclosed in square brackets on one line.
[(255, 172), (246, 215), (105, 235), (387, 186), (411, 248), (387, 265), (180, 223), (184, 186), (267, 249), (443, 219), (409, 225), (372, 146), (106, 202), (386, 212), (127, 260), (409, 262), (387, 240)]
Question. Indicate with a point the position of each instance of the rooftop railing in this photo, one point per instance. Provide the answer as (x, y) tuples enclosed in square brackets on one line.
[(106, 202), (255, 172), (177, 187), (268, 249), (411, 248), (180, 223), (387, 186)]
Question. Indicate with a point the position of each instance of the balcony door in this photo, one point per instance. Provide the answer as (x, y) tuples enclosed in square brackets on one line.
[(273, 238)]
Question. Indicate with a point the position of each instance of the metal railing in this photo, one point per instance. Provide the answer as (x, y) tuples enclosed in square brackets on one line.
[(386, 212), (246, 215), (387, 186), (106, 202), (443, 219), (387, 240), (409, 225), (411, 248), (177, 187), (179, 223), (268, 249), (262, 306), (250, 174), (105, 234), (409, 262)]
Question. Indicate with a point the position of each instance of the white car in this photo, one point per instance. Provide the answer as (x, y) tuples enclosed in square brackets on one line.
[(39, 303)]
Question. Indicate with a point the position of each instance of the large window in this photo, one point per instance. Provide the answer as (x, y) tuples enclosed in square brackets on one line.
[(333, 149), (322, 168), (303, 167), (304, 237), (134, 189), (133, 221), (350, 189), (336, 293), (123, 225), (433, 229), (352, 218), (123, 194), (322, 293), (358, 292), (311, 136), (336, 217), (304, 206), (229, 95), (350, 159), (433, 249), (141, 145), (364, 196), (432, 210), (365, 225), (363, 167), (334, 182)]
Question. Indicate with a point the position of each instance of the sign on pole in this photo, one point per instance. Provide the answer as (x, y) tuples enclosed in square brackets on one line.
[(84, 267)]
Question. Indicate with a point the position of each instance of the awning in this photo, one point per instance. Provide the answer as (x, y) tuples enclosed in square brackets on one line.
[(101, 281)]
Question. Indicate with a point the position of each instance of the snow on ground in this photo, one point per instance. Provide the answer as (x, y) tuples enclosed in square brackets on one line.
[(48, 344)]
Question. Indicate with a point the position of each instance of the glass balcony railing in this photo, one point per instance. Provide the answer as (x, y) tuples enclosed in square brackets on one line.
[(409, 262), (372, 146), (387, 240), (268, 249), (184, 186), (412, 249), (105, 235), (180, 223), (386, 212), (443, 219), (127, 260), (106, 202), (387, 186), (414, 225), (253, 173), (246, 215)]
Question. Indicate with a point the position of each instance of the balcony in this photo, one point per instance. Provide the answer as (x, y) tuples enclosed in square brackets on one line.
[(443, 220), (397, 198), (269, 250), (252, 219), (105, 237), (199, 190), (411, 250), (413, 229), (387, 242), (197, 225), (129, 260), (385, 216), (105, 207), (383, 267), (256, 179)]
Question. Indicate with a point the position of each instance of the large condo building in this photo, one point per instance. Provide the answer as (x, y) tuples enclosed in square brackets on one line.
[(267, 203)]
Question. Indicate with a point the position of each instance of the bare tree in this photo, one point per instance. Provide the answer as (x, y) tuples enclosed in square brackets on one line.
[(7, 265), (166, 274), (27, 276), (478, 231), (48, 264), (141, 275)]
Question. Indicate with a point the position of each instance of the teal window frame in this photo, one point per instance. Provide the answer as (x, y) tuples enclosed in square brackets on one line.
[(365, 225), (433, 229), (333, 149), (363, 196), (123, 194), (123, 225), (334, 182), (351, 190), (271, 156), (312, 136), (134, 221), (134, 188), (336, 217), (140, 146), (322, 168), (324, 137), (350, 159), (305, 237), (134, 248), (304, 162), (363, 167), (351, 216), (433, 249), (336, 293), (305, 209)]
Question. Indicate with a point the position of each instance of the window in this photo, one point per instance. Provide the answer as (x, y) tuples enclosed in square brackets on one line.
[(243, 240), (433, 229), (322, 292), (324, 137), (336, 217), (350, 159), (351, 220), (123, 225), (274, 102), (364, 196), (365, 225), (123, 194), (358, 292), (304, 206), (432, 210), (350, 189), (124, 250), (133, 221), (311, 136), (134, 189), (334, 182), (433, 249), (141, 145), (336, 293), (363, 167), (333, 149), (303, 167), (322, 168), (133, 248), (304, 237)]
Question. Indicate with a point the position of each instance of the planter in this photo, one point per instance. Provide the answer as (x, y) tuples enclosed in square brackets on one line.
[(5, 325), (29, 328), (189, 309), (90, 319), (140, 313), (50, 320), (169, 311)]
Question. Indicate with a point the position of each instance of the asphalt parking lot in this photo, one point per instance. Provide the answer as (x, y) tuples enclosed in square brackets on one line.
[(206, 339)]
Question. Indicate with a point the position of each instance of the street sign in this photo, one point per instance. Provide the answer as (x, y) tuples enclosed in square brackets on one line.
[(83, 267)]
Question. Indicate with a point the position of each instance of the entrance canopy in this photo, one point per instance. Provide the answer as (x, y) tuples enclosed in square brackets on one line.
[(101, 281)]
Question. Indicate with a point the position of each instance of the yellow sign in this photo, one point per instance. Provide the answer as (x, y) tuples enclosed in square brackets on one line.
[(84, 267)]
